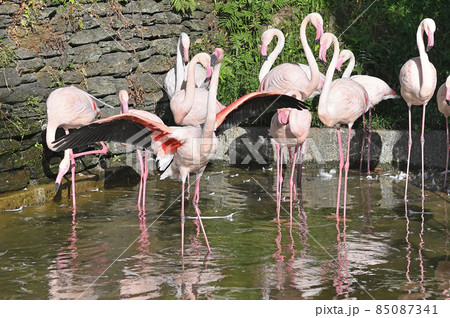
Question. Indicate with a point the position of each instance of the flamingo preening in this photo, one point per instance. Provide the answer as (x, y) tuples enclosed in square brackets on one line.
[(341, 102), (378, 91), (68, 108), (418, 82), (443, 100), (180, 150)]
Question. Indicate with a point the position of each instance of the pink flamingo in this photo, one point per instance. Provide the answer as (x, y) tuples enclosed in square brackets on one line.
[(290, 78), (68, 108), (341, 102), (418, 82), (180, 150), (123, 95), (290, 128), (266, 39), (377, 89), (189, 106), (175, 79), (443, 100)]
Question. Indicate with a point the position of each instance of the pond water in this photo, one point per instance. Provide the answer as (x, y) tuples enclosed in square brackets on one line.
[(111, 251)]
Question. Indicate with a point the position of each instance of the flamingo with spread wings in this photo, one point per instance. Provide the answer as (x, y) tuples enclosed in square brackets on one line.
[(180, 150)]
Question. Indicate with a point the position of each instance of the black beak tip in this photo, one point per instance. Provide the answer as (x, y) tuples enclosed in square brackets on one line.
[(324, 63), (316, 41), (264, 57), (448, 102), (339, 73), (213, 59), (185, 63), (57, 185), (429, 48), (207, 79)]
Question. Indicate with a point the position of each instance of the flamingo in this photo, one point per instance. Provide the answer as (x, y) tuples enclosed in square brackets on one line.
[(377, 89), (68, 108), (123, 95), (175, 79), (290, 128), (180, 150), (443, 100), (189, 105), (341, 102), (290, 78), (266, 39), (418, 82)]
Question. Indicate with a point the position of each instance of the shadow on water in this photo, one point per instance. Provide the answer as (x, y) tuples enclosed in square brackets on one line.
[(111, 250)]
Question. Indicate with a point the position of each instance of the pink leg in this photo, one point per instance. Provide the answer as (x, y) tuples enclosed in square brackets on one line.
[(72, 169), (369, 140), (280, 182), (363, 142), (144, 189), (182, 219), (139, 154), (291, 182), (409, 155), (197, 210), (446, 164), (92, 152), (277, 146), (300, 166), (347, 166), (341, 165), (422, 144)]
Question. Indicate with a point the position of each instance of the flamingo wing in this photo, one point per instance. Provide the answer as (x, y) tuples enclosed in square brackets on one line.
[(252, 105), (127, 128)]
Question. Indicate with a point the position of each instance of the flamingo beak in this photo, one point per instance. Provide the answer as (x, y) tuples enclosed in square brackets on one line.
[(264, 51), (319, 33), (430, 40), (324, 63), (448, 102), (57, 185), (213, 59), (264, 57)]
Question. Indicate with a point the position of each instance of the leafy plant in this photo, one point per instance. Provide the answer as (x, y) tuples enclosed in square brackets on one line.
[(184, 6), (7, 56)]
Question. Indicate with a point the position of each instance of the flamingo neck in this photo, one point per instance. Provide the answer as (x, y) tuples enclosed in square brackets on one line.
[(267, 65), (310, 58), (329, 76), (190, 82), (349, 69), (210, 121), (50, 136), (179, 68), (427, 82)]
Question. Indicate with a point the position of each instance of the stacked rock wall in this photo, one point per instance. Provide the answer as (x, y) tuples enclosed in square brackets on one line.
[(99, 46)]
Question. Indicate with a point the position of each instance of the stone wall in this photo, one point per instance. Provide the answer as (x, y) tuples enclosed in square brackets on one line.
[(101, 47)]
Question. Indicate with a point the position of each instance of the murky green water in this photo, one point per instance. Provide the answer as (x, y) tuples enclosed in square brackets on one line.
[(111, 252)]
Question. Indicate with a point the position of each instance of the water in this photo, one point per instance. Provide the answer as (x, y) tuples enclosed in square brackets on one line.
[(110, 251)]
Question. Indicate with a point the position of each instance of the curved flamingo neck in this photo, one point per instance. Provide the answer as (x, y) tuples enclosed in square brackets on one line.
[(351, 65), (210, 121), (267, 65), (179, 68), (309, 57), (190, 81), (427, 82), (329, 75), (51, 136)]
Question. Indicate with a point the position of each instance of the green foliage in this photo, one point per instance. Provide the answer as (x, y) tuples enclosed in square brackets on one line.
[(7, 56), (32, 101), (184, 6)]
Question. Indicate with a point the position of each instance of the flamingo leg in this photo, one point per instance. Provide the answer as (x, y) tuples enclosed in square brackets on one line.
[(72, 169), (409, 154), (291, 182), (363, 143), (197, 210), (341, 165), (347, 166), (422, 144), (280, 182), (144, 184), (369, 140), (182, 218), (139, 154), (92, 152), (300, 165), (277, 146), (448, 142)]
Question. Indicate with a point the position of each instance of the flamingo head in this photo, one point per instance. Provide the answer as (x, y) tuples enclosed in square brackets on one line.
[(123, 95), (429, 26), (64, 166), (216, 58), (343, 57), (283, 116), (325, 42), (266, 39), (185, 43), (317, 21)]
